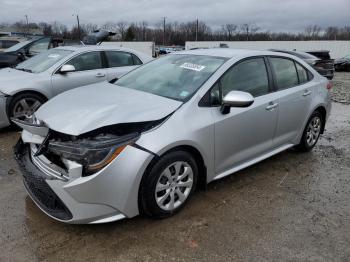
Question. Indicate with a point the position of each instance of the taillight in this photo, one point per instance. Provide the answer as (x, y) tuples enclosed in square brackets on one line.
[(329, 85)]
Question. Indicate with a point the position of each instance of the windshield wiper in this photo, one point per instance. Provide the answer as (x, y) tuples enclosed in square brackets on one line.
[(24, 69)]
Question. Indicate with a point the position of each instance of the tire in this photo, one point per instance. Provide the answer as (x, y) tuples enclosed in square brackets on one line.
[(22, 106), (311, 133), (159, 204)]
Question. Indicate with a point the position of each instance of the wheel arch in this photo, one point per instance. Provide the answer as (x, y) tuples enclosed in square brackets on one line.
[(195, 152), (322, 110), (8, 102), (30, 92)]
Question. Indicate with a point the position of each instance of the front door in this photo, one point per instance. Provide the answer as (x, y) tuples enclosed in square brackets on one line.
[(245, 133), (88, 70)]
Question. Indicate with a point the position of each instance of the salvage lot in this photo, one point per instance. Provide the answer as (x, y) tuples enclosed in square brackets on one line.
[(292, 207)]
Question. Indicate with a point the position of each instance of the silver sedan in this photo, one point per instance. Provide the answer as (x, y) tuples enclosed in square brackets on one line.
[(26, 87), (143, 144)]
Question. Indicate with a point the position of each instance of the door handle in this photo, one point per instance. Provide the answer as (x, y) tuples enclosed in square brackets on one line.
[(307, 92), (100, 75), (271, 106)]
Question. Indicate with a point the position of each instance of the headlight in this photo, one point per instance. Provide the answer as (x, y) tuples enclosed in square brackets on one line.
[(93, 153)]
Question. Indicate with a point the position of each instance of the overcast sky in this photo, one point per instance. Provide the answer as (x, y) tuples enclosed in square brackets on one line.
[(274, 15)]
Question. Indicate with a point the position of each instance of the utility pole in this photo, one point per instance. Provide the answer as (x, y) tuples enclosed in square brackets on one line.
[(164, 31), (197, 30), (78, 27), (27, 27)]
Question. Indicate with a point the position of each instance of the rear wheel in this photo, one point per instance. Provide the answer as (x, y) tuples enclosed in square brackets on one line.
[(311, 132), (167, 187), (24, 105)]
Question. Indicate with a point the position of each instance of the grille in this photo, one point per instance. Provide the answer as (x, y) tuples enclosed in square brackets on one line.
[(35, 183), (43, 195)]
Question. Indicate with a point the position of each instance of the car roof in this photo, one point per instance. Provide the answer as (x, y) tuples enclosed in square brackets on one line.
[(228, 52), (300, 54), (94, 47)]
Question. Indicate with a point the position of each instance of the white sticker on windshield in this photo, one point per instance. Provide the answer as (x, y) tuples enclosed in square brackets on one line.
[(54, 56), (184, 93), (193, 67)]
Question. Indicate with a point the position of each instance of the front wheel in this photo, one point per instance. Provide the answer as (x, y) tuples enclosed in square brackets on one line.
[(311, 132), (23, 106), (167, 187)]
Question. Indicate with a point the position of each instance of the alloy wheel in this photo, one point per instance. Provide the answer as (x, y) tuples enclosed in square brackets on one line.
[(313, 131), (24, 108)]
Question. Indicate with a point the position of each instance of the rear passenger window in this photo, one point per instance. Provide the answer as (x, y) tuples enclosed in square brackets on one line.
[(248, 76), (286, 74), (137, 60), (117, 59), (302, 73)]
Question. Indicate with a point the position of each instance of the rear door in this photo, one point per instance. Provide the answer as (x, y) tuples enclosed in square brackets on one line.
[(245, 133), (120, 63), (89, 69), (294, 93)]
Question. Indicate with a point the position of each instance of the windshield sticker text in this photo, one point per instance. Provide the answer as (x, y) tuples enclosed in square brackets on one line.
[(193, 67)]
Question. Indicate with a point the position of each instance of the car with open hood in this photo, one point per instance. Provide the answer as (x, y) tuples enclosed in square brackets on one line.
[(24, 88), (143, 144), (24, 50)]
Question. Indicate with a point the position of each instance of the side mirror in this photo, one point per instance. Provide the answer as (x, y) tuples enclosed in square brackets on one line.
[(236, 99), (67, 68), (21, 56)]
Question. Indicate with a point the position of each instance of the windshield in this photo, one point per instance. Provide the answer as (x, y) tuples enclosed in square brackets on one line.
[(174, 76), (43, 61), (17, 46)]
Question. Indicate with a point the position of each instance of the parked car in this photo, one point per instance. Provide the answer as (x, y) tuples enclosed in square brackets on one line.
[(8, 41), (26, 49), (143, 144), (342, 64), (323, 64), (26, 87)]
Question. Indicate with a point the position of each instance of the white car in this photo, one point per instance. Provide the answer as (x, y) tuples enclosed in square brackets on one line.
[(26, 87)]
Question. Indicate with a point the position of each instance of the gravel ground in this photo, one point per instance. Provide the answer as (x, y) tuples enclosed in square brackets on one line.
[(291, 207), (341, 88)]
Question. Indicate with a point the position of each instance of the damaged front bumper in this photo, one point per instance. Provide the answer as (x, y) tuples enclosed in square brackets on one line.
[(109, 195)]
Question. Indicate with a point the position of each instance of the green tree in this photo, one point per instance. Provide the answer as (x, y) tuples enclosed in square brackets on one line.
[(129, 35)]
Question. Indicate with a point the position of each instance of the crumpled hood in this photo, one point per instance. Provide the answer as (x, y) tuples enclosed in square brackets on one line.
[(87, 108), (10, 79)]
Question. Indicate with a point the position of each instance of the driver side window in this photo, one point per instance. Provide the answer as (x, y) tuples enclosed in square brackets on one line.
[(248, 76), (86, 61)]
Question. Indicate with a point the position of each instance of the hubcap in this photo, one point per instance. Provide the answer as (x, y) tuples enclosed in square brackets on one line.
[(24, 108), (174, 186), (313, 131)]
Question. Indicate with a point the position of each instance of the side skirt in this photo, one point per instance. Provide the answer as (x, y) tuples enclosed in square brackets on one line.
[(253, 161)]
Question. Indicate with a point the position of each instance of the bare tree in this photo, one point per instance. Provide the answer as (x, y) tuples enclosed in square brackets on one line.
[(121, 28), (229, 30), (249, 29), (313, 31)]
